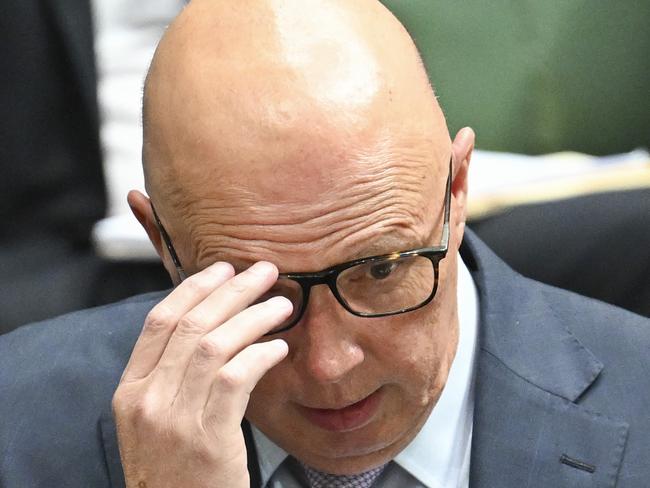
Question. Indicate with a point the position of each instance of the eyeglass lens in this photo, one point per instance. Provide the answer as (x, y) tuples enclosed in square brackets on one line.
[(387, 286), (373, 288)]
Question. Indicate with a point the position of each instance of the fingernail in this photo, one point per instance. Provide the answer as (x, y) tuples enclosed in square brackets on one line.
[(262, 268), (281, 346), (222, 267), (280, 302)]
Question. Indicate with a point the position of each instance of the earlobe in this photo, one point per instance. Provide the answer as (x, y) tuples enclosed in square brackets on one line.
[(462, 148)]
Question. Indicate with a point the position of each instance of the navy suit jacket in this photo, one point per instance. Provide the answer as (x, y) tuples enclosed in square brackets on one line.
[(562, 390)]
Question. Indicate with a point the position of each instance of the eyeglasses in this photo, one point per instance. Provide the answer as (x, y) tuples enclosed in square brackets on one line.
[(376, 286)]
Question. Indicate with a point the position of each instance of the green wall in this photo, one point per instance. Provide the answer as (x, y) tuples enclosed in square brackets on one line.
[(539, 76)]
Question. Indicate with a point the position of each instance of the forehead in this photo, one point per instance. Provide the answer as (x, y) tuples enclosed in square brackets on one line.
[(308, 215)]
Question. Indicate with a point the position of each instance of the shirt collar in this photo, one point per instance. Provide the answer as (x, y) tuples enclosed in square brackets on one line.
[(439, 455), (269, 455)]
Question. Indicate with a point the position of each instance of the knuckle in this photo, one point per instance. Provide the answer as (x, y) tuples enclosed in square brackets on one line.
[(230, 379), (209, 349), (236, 285), (144, 412), (190, 325), (159, 318), (197, 284), (123, 398), (202, 452), (118, 403), (139, 408), (140, 411)]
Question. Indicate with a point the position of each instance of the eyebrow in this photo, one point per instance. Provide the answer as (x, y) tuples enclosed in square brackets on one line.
[(387, 244)]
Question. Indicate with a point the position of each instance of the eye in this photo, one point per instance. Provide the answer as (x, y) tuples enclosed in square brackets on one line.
[(383, 270)]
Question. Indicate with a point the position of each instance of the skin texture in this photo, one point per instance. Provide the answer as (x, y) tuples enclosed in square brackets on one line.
[(303, 141)]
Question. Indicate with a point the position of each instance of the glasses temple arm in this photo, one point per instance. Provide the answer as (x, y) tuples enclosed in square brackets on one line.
[(170, 247), (445, 226)]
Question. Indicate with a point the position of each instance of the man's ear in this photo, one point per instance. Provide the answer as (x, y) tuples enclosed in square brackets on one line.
[(462, 148), (143, 211), (141, 208)]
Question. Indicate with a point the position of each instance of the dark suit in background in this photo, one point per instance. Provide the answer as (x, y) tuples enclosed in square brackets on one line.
[(51, 176), (596, 245), (51, 182)]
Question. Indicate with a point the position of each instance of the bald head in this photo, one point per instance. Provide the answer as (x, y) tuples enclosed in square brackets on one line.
[(245, 100)]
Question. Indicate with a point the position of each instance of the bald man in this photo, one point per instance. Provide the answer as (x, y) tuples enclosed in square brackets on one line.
[(309, 204)]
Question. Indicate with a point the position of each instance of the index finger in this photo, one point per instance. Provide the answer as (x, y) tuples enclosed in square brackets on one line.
[(162, 319)]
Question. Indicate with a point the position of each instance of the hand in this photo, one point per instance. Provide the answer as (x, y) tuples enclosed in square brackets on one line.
[(183, 394)]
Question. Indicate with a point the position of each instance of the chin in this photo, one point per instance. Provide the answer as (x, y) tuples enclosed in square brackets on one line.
[(341, 462), (355, 451)]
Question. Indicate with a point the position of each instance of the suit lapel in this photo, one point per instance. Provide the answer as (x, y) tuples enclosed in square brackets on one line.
[(529, 429), (108, 432), (525, 436), (73, 20), (253, 463)]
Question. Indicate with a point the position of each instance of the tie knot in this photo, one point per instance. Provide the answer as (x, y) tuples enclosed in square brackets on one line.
[(318, 479)]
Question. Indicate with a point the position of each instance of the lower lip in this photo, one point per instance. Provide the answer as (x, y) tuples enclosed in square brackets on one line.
[(344, 419)]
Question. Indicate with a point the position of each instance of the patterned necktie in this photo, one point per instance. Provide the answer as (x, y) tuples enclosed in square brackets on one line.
[(318, 479)]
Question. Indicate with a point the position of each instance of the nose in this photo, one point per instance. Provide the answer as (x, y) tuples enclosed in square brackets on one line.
[(328, 349)]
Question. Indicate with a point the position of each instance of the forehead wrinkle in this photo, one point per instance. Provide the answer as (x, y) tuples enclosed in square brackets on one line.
[(393, 186), (315, 169), (323, 239), (355, 242), (351, 234), (275, 221), (280, 204)]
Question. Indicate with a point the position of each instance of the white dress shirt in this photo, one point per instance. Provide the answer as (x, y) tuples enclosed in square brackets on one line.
[(439, 456)]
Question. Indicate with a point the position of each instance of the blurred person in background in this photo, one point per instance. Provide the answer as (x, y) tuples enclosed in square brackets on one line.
[(52, 186), (70, 138)]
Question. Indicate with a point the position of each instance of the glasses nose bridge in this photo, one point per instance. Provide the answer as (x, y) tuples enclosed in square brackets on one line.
[(327, 277)]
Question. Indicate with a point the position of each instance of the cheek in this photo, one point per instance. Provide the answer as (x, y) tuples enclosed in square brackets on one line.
[(420, 352)]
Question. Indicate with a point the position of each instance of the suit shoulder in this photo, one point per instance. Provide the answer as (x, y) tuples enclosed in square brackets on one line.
[(57, 378), (599, 325), (94, 339)]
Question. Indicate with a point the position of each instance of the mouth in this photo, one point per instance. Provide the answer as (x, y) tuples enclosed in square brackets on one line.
[(347, 418)]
